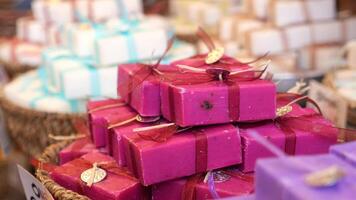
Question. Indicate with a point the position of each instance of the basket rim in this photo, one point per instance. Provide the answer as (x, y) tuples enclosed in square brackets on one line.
[(10, 105)]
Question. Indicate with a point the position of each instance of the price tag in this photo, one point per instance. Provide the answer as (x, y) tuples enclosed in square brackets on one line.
[(333, 106), (34, 190)]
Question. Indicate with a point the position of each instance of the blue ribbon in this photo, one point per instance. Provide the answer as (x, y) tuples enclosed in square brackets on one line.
[(122, 8), (74, 104), (126, 30)]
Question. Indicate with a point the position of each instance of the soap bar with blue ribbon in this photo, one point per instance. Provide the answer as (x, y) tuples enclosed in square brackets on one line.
[(63, 12), (77, 78), (29, 91), (118, 41), (30, 30)]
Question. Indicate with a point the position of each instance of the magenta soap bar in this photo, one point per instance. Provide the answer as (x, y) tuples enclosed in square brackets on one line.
[(346, 151), (140, 88), (75, 150), (115, 144), (294, 141), (284, 179), (174, 190), (216, 102), (118, 184), (98, 114), (183, 154)]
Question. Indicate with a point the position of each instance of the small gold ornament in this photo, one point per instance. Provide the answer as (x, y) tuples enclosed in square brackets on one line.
[(325, 178), (214, 55), (93, 175), (283, 110)]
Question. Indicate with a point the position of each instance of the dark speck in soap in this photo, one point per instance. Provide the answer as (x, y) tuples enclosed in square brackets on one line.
[(206, 105)]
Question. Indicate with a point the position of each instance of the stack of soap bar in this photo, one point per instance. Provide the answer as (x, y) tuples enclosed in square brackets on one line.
[(299, 11), (77, 78), (63, 12), (226, 186), (102, 113), (33, 31), (118, 184), (284, 178), (135, 40), (290, 139), (199, 150)]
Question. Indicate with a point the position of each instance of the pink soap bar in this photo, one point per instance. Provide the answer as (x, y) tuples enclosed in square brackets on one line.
[(75, 150), (302, 143), (115, 144), (227, 186), (98, 118), (183, 154), (140, 89), (216, 102), (118, 184)]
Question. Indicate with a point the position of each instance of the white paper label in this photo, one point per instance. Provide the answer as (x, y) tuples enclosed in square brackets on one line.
[(34, 190), (333, 106)]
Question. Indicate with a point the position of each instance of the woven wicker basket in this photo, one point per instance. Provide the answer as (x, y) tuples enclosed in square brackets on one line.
[(50, 155), (14, 69), (351, 114), (29, 129)]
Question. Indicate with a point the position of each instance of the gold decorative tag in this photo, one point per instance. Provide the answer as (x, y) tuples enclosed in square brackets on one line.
[(283, 110), (214, 55), (325, 178), (93, 175)]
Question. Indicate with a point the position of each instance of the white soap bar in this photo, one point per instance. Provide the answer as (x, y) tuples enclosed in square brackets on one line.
[(278, 40), (320, 57), (18, 52), (62, 12), (290, 12), (115, 43)]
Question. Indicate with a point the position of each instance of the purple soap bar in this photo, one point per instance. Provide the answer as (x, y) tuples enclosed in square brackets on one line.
[(284, 179), (183, 154), (140, 89), (248, 197), (216, 102), (118, 184), (75, 150), (226, 187), (346, 152), (115, 144), (101, 111), (294, 142)]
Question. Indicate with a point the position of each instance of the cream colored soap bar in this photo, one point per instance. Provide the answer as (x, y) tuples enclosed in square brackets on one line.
[(322, 57), (278, 40), (62, 12), (284, 13)]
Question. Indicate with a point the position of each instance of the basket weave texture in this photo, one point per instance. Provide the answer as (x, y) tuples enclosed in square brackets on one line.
[(30, 129), (14, 69)]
